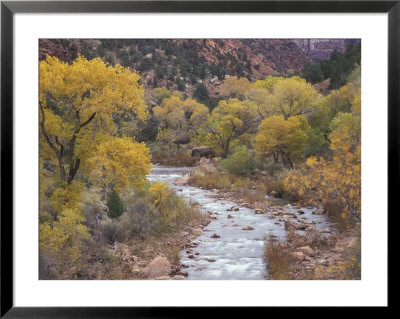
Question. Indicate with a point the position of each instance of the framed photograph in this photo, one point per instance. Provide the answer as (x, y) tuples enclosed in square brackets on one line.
[(159, 155)]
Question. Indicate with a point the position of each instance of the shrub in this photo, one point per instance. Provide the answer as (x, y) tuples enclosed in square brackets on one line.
[(92, 208), (240, 162), (114, 204), (112, 231), (276, 183), (158, 192), (139, 219), (48, 268), (64, 239)]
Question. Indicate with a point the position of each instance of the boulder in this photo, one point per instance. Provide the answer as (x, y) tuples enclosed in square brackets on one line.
[(182, 273), (247, 228), (352, 242), (289, 225), (208, 167), (160, 266), (319, 211), (298, 255), (196, 232), (215, 236), (306, 250), (258, 211), (182, 181), (203, 151)]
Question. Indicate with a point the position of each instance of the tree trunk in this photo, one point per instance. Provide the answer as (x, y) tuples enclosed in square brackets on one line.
[(290, 161), (73, 169), (276, 157)]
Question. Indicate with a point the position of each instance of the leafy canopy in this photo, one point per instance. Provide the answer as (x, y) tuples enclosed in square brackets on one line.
[(82, 109)]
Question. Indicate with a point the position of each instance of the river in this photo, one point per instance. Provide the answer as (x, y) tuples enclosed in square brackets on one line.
[(237, 253)]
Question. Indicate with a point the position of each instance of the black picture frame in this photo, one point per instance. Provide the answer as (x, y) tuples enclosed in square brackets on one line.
[(9, 8)]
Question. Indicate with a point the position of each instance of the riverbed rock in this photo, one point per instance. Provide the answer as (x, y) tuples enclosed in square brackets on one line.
[(182, 181), (247, 228), (298, 255), (323, 262), (178, 277), (233, 208), (182, 273), (196, 232), (352, 241), (306, 250), (215, 236), (160, 266), (230, 216), (258, 211), (319, 211), (207, 165), (210, 260), (289, 225)]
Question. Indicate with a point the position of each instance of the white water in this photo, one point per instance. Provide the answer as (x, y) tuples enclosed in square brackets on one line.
[(237, 253)]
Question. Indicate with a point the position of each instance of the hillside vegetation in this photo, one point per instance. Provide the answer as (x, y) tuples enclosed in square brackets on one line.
[(100, 131)]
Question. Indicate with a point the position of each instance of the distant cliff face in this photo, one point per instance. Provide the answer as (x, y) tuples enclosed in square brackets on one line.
[(321, 49), (184, 65), (262, 57)]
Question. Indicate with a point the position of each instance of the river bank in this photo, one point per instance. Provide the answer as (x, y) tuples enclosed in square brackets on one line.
[(238, 239), (313, 248)]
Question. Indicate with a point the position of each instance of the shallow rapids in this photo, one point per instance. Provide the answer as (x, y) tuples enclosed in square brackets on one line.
[(237, 253)]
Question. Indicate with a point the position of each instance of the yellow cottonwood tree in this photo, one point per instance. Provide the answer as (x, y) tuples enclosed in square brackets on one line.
[(81, 106), (280, 137), (220, 131), (230, 120), (179, 119), (284, 96), (236, 87), (120, 162)]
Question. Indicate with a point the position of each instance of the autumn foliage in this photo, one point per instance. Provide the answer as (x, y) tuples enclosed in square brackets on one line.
[(90, 116)]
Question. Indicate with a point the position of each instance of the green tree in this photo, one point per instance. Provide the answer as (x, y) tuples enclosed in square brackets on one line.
[(114, 204), (201, 93), (240, 162)]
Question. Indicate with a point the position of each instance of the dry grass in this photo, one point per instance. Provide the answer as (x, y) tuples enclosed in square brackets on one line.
[(210, 181), (240, 188), (276, 259), (175, 255)]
